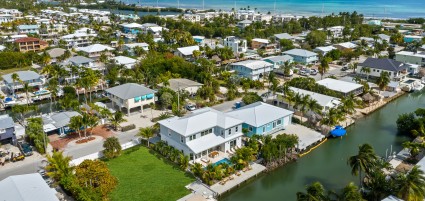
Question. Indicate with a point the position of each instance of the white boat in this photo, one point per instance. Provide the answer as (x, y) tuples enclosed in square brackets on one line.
[(418, 87)]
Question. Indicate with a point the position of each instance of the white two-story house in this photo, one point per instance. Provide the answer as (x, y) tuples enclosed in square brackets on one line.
[(202, 132), (130, 95), (237, 45), (252, 69)]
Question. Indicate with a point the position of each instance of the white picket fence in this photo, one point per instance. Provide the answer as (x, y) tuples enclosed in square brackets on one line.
[(99, 154)]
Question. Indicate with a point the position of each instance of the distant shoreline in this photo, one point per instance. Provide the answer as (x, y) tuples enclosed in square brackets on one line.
[(150, 9)]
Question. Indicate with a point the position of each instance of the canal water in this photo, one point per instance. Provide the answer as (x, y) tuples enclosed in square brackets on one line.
[(328, 163)]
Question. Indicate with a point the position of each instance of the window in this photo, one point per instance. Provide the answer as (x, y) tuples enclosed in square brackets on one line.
[(264, 129), (181, 139), (250, 128), (236, 129), (169, 132), (279, 121), (222, 132), (229, 131)]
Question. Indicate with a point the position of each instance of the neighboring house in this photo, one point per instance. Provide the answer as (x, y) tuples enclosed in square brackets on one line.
[(7, 130), (186, 52), (96, 50), (284, 36), (81, 61), (237, 45), (252, 69), (58, 122), (30, 44), (302, 56), (341, 87), (79, 39), (180, 84), (397, 70), (325, 102), (384, 37), (374, 22), (392, 198), (278, 61), (28, 29), (410, 38), (132, 28), (4, 18), (130, 96), (244, 23), (55, 53), (156, 31), (411, 57), (336, 31), (32, 78), (130, 47), (324, 50), (26, 187), (202, 132), (345, 46), (258, 43), (262, 118), (125, 61)]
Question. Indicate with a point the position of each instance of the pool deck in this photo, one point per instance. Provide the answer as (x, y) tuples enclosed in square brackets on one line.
[(237, 180)]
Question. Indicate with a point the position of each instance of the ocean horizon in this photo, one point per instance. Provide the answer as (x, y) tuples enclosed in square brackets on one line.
[(369, 8)]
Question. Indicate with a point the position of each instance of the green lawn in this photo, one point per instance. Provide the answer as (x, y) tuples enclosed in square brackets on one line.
[(144, 175)]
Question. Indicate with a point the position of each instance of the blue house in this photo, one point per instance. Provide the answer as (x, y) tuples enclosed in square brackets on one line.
[(262, 118), (302, 56), (7, 130), (410, 38), (252, 69), (132, 28), (278, 61)]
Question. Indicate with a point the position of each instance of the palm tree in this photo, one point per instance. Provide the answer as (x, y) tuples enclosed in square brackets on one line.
[(183, 161), (58, 166), (383, 80), (75, 123), (53, 88), (353, 66), (351, 193), (146, 133), (197, 169), (324, 66), (377, 185), (15, 78), (304, 105), (363, 161), (315, 192), (414, 147), (116, 119), (26, 88), (348, 104), (332, 117), (366, 71), (314, 106), (411, 186)]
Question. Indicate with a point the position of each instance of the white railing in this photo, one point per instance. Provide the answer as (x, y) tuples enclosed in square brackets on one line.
[(99, 154)]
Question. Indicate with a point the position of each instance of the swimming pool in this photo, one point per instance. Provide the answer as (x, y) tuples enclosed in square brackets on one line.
[(409, 81), (224, 160)]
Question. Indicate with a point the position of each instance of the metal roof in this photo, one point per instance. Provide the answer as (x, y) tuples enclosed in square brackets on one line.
[(284, 36), (95, 48), (322, 100), (6, 121), (252, 64), (338, 85), (57, 120), (27, 187), (80, 60), (275, 59), (300, 52), (259, 113), (383, 64), (23, 76), (200, 120), (182, 83), (129, 90), (188, 50)]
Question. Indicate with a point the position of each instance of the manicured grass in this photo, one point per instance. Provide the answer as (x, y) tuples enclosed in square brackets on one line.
[(145, 175)]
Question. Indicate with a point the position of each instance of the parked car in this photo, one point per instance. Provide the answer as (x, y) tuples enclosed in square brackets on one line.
[(25, 148), (190, 107), (344, 68), (303, 73), (313, 72)]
